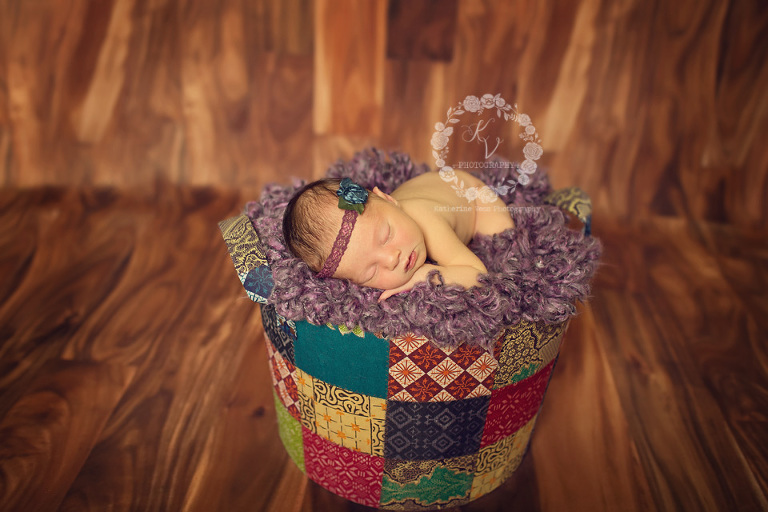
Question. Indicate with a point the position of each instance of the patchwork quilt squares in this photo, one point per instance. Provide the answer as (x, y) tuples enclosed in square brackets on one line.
[(249, 260), (426, 484), (283, 373), (434, 430), (523, 349), (344, 360), (497, 462), (351, 474), (289, 430), (346, 418), (513, 406), (421, 372)]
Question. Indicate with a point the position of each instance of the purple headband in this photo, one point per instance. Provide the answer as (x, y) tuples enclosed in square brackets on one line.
[(352, 198)]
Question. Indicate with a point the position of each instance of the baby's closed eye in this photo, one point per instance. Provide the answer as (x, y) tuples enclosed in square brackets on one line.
[(386, 234)]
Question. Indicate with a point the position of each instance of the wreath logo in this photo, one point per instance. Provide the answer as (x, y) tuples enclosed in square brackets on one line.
[(443, 131)]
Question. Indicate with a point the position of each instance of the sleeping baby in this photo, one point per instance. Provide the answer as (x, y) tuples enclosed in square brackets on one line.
[(344, 231)]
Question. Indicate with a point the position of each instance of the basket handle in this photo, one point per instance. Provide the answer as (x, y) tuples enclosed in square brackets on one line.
[(249, 260)]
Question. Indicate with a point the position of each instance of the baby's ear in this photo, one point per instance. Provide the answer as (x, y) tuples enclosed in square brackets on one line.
[(384, 196)]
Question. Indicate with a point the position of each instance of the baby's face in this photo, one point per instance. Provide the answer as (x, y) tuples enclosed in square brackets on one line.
[(385, 249)]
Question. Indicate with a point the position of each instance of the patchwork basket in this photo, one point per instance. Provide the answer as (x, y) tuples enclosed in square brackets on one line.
[(398, 423)]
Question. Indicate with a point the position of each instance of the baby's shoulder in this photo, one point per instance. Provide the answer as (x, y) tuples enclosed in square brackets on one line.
[(430, 188)]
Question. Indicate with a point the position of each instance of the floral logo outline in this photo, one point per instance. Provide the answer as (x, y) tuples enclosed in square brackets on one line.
[(440, 138)]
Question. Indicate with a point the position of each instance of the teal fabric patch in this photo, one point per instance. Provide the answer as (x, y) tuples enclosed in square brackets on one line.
[(290, 433), (359, 364)]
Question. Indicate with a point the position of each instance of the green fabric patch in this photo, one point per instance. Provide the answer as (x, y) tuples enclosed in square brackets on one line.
[(343, 329), (442, 486), (290, 433), (350, 362), (525, 372)]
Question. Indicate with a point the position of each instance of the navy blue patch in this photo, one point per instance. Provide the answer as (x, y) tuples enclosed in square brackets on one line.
[(259, 281), (434, 430)]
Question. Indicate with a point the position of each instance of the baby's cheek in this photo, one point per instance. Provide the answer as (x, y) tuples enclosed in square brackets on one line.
[(398, 280)]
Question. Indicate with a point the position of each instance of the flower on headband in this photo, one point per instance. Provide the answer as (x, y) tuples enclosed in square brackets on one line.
[(352, 196)]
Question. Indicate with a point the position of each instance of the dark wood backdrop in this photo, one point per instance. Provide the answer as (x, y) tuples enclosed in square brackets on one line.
[(132, 368), (657, 108)]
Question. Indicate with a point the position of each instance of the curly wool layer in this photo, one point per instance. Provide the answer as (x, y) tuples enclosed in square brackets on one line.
[(536, 271)]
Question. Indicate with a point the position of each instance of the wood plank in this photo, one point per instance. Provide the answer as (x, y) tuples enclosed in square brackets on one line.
[(288, 25), (350, 38), (49, 432), (678, 429), (421, 29), (655, 111), (582, 431)]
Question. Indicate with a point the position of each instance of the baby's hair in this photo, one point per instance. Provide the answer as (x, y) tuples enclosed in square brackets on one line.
[(306, 223)]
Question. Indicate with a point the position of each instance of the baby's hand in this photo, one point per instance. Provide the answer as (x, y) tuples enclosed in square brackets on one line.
[(419, 276)]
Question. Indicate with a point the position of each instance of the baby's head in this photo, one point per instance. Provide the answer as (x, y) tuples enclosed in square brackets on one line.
[(381, 247)]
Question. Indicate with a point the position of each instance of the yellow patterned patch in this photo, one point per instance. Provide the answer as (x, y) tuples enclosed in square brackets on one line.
[(497, 462), (242, 244), (346, 418), (525, 348), (305, 384)]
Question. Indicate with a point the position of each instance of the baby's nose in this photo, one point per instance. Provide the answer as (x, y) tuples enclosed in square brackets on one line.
[(392, 258)]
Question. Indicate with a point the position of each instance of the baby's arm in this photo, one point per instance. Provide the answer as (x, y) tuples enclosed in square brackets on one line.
[(456, 263)]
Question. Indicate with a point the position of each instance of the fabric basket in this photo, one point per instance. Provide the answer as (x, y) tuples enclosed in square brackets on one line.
[(398, 423)]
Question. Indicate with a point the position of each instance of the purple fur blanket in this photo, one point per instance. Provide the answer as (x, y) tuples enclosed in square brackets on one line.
[(536, 271)]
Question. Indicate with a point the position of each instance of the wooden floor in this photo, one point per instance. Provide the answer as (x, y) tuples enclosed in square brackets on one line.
[(134, 373)]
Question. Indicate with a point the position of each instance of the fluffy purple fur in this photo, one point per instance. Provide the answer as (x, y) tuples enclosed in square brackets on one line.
[(536, 271)]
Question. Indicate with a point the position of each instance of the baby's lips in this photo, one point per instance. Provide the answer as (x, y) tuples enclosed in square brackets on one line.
[(411, 261)]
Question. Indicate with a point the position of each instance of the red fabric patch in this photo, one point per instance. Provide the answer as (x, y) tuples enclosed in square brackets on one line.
[(282, 379), (462, 386), (465, 355), (513, 406), (420, 372), (427, 356), (423, 389), (351, 474)]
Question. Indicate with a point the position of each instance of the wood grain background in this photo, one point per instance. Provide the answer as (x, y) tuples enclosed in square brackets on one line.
[(656, 108), (132, 367)]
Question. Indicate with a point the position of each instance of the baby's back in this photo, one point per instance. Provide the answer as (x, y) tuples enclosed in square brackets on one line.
[(429, 199)]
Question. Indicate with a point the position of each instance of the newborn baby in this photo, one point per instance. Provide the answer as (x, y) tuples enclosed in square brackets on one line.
[(384, 241)]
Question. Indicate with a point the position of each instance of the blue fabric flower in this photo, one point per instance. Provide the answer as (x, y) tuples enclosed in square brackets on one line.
[(351, 196)]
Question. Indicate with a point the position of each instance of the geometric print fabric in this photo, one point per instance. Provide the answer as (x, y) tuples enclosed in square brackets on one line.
[(283, 374), (406, 455), (247, 257), (421, 372), (346, 418), (398, 423), (352, 475), (524, 348), (279, 331), (434, 430), (497, 462), (512, 407)]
